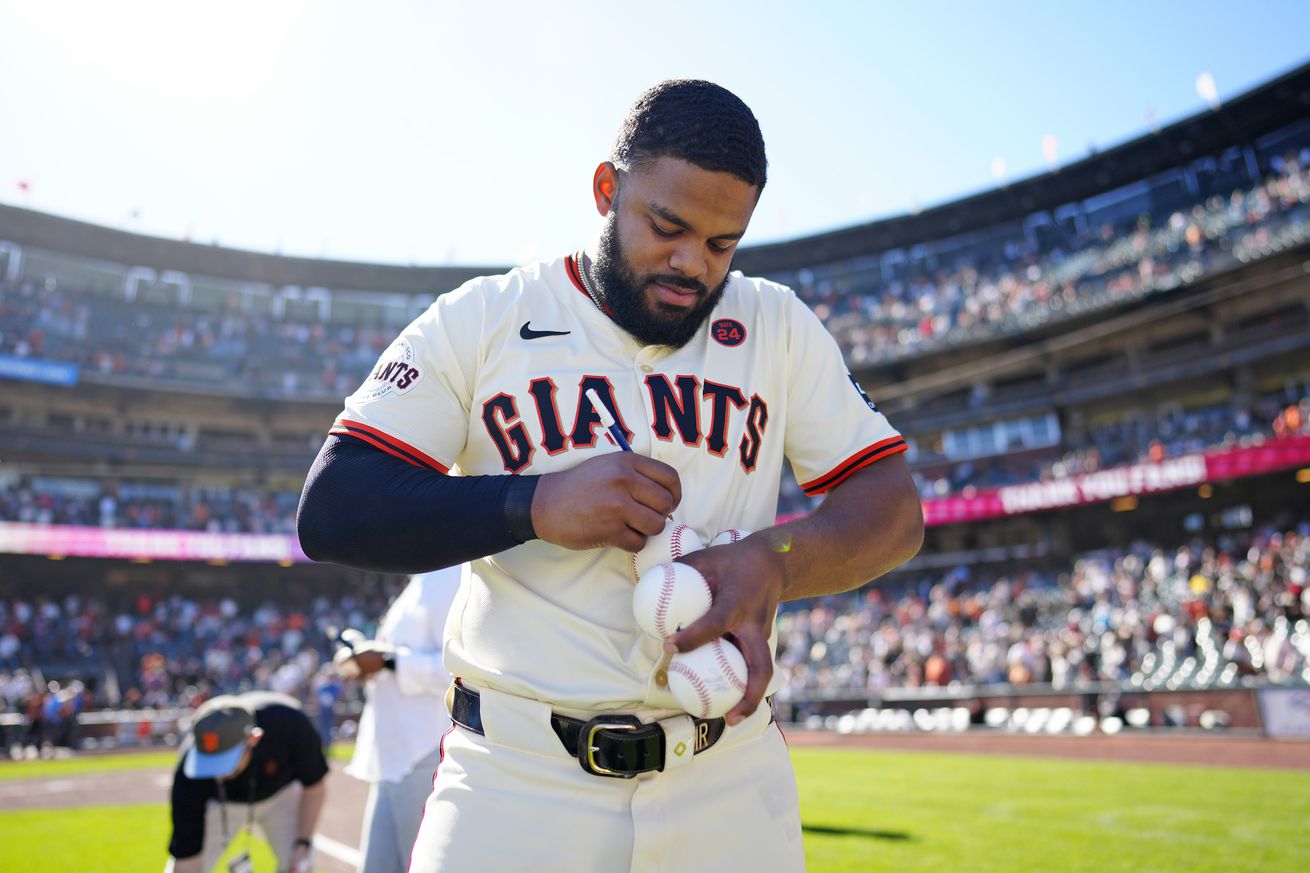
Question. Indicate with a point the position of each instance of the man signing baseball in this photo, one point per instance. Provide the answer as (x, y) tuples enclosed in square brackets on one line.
[(473, 440)]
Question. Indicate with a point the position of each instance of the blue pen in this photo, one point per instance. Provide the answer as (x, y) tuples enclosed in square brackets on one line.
[(612, 426), (606, 419)]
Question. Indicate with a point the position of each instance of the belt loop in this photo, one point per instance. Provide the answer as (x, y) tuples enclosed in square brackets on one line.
[(683, 738)]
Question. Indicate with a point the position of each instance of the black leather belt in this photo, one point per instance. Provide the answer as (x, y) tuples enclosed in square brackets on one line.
[(608, 745)]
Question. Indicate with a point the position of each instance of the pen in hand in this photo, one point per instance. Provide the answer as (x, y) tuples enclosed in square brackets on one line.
[(610, 425), (607, 420)]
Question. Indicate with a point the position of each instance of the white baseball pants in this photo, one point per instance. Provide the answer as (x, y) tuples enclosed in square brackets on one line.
[(514, 800)]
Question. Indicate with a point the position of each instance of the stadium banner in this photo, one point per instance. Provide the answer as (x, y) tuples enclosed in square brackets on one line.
[(1127, 481), (38, 370), (71, 541), (1285, 712)]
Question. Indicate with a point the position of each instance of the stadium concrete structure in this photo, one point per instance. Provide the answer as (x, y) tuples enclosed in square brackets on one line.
[(132, 380)]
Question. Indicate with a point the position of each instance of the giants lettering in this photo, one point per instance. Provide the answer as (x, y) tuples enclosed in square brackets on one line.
[(683, 411), (587, 421), (720, 396), (398, 373), (500, 415), (677, 406), (756, 420)]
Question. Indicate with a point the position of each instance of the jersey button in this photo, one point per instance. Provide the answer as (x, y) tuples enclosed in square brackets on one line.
[(647, 368)]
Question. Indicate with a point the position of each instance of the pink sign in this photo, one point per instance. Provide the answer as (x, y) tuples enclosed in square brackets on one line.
[(1105, 485), (163, 545), (968, 505)]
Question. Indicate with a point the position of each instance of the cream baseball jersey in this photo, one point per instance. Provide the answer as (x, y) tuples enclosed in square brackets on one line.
[(492, 379)]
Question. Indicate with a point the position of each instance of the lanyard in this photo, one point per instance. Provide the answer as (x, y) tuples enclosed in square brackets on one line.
[(250, 807)]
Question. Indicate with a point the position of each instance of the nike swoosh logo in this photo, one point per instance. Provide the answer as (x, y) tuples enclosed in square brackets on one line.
[(529, 334)]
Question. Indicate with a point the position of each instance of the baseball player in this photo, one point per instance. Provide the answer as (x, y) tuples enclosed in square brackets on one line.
[(473, 440)]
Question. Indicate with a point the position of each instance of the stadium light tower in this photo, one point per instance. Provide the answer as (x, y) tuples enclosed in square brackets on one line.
[(1206, 88), (998, 169), (1051, 150)]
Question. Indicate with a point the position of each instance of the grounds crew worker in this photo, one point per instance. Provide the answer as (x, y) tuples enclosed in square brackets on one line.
[(250, 759)]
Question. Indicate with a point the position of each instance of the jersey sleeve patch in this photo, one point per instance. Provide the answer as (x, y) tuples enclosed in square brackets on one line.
[(387, 443), (863, 458), (397, 372)]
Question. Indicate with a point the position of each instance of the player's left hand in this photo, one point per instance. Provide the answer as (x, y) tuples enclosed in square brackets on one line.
[(746, 581)]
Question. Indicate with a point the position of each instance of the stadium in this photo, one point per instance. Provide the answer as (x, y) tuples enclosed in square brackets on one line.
[(1103, 373)]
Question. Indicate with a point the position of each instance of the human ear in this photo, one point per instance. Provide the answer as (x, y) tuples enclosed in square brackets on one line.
[(605, 187)]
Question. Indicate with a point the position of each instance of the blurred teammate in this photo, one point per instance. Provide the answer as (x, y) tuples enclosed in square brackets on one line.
[(568, 751), (250, 759), (398, 745)]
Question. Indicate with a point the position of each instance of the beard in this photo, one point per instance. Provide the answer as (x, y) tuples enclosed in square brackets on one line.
[(622, 292)]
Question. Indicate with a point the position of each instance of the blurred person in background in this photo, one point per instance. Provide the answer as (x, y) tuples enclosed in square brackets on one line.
[(399, 742), (326, 690), (256, 750)]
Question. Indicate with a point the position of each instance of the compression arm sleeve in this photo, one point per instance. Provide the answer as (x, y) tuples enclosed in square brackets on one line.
[(365, 508)]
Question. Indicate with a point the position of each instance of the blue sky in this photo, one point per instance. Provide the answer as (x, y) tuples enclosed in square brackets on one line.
[(442, 132)]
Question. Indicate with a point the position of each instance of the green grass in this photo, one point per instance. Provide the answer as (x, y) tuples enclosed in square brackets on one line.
[(864, 812), (41, 769), (108, 839), (873, 811)]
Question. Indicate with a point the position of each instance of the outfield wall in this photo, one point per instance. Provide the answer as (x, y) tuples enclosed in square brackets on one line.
[(1273, 711)]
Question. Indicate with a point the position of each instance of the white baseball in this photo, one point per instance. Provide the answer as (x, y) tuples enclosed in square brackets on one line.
[(668, 597), (731, 535), (668, 545), (709, 681)]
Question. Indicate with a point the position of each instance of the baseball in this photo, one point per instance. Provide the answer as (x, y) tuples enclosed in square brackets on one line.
[(668, 597), (731, 535), (709, 681), (668, 545)]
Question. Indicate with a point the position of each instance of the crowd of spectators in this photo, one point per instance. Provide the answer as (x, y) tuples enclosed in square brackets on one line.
[(1238, 601), (1162, 434), (1151, 436), (264, 355), (162, 653), (78, 501), (1022, 284), (1018, 284), (1154, 436)]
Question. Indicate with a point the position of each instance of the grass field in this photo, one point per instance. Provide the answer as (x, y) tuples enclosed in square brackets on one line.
[(869, 811)]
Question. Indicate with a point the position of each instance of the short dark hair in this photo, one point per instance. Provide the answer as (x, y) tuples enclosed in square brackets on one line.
[(701, 123)]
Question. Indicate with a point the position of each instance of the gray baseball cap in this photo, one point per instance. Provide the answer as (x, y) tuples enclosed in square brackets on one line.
[(218, 736)]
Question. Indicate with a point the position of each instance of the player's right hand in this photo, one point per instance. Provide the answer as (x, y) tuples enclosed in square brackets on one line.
[(616, 499)]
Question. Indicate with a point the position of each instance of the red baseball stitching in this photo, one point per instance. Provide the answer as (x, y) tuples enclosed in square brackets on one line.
[(675, 544), (726, 666), (697, 685), (662, 606)]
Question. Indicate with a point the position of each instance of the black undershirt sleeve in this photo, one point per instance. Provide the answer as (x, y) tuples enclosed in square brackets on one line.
[(364, 508)]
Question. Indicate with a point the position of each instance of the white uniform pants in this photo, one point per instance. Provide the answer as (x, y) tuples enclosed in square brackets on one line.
[(514, 800), (392, 817), (277, 818)]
